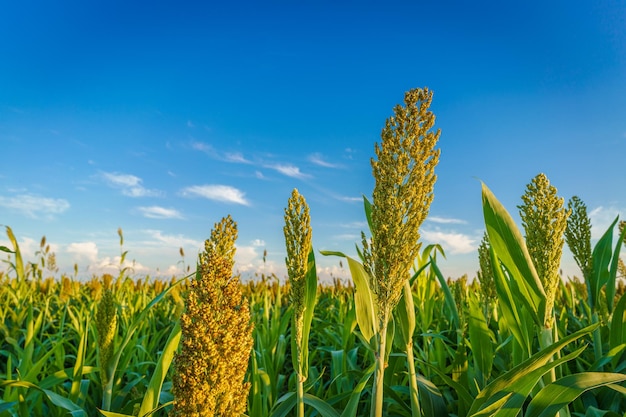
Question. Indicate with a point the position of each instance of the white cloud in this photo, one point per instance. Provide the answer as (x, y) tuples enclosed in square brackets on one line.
[(289, 170), (318, 159), (175, 241), (259, 175), (259, 243), (350, 199), (33, 206), (445, 220), (223, 193), (156, 212), (236, 157), (456, 243), (83, 251), (203, 147), (130, 185)]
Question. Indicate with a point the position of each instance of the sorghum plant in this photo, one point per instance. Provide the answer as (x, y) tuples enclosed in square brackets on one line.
[(404, 174), (216, 334)]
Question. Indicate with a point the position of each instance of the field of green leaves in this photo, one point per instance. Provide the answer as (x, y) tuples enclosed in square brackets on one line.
[(399, 340)]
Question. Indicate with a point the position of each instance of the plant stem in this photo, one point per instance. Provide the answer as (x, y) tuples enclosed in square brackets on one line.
[(415, 403), (300, 395), (379, 372)]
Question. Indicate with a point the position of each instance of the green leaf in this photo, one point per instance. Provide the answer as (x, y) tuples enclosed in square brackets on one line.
[(481, 340), (523, 377), (366, 310), (431, 400), (601, 258), (54, 398), (5, 249), (447, 294), (150, 400), (560, 393), (617, 335), (284, 405), (510, 248), (405, 316), (325, 409), (610, 285), (309, 308), (353, 404)]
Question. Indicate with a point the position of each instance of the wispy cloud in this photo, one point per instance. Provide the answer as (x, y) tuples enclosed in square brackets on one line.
[(318, 159), (83, 251), (350, 199), (35, 206), (129, 184), (289, 170), (445, 220), (223, 193), (156, 212), (236, 157), (451, 241)]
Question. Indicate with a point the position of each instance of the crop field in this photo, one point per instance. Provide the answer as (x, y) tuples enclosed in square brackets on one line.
[(398, 340)]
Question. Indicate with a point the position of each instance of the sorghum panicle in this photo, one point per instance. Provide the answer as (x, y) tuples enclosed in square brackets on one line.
[(216, 335), (298, 241), (404, 174), (544, 219)]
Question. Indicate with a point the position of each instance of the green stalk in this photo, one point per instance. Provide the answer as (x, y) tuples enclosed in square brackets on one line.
[(413, 390), (300, 395), (379, 372)]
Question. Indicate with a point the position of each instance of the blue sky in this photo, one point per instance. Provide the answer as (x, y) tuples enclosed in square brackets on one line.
[(161, 118)]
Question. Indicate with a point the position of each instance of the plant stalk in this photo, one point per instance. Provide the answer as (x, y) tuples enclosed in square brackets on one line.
[(379, 372)]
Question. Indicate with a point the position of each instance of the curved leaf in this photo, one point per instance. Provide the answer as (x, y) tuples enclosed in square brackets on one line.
[(560, 393)]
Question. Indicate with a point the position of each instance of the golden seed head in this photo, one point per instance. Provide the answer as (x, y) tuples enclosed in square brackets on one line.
[(216, 335), (404, 174)]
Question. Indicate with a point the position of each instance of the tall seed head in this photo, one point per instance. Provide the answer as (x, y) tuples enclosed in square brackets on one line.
[(404, 174), (216, 335), (578, 235), (544, 219), (298, 241), (106, 324)]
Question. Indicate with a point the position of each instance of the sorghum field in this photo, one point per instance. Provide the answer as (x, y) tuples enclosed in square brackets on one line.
[(399, 340)]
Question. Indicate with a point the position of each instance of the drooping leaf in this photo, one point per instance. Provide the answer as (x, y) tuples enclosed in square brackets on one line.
[(560, 393), (366, 310)]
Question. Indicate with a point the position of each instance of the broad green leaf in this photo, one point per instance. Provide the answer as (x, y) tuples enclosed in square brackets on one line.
[(284, 405), (617, 336), (431, 400), (405, 316), (610, 285), (447, 294), (54, 398), (601, 259), (518, 391), (510, 248), (112, 414), (533, 368), (153, 391), (480, 338), (310, 300), (515, 316), (353, 404), (325, 409), (366, 310), (560, 393)]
